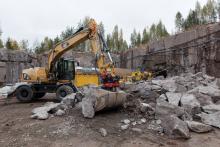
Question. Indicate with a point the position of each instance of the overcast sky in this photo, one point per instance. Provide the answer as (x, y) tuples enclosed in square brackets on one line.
[(35, 19)]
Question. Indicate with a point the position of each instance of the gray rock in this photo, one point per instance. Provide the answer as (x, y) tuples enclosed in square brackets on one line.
[(190, 104), (164, 109), (171, 85), (144, 107), (162, 97), (158, 121), (189, 99), (148, 95), (69, 100), (134, 123), (203, 99), (124, 127), (41, 113), (129, 86), (143, 120), (155, 127), (175, 128), (88, 110), (136, 130), (174, 98), (211, 108), (211, 119), (60, 112), (126, 121), (208, 90), (198, 127), (103, 132)]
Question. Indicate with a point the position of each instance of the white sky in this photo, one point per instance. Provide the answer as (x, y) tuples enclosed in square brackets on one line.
[(35, 19)]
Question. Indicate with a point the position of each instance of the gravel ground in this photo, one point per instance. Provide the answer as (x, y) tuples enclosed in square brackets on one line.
[(17, 129)]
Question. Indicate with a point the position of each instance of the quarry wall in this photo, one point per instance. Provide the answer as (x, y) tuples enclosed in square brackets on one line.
[(192, 51)]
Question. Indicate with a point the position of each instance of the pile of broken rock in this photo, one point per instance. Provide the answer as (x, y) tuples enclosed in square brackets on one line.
[(190, 102), (173, 106)]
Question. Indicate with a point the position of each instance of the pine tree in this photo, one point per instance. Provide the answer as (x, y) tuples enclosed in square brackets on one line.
[(179, 21), (138, 39), (67, 33), (24, 45), (1, 42), (133, 38), (12, 44), (145, 36), (198, 11), (56, 40)]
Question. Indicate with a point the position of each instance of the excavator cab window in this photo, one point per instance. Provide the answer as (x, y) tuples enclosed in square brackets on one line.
[(65, 69)]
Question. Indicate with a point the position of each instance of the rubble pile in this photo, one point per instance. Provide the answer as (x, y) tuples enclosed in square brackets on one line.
[(173, 106), (190, 102), (90, 99)]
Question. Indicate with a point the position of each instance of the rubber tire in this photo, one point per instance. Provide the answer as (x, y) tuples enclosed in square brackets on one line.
[(20, 93), (39, 95), (64, 88)]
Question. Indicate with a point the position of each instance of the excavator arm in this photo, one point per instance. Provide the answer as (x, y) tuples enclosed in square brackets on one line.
[(89, 32)]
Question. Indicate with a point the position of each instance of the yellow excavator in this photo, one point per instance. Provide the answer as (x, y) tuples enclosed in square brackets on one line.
[(59, 76)]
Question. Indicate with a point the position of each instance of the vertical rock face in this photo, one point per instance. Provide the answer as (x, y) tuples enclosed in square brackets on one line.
[(177, 54), (13, 62)]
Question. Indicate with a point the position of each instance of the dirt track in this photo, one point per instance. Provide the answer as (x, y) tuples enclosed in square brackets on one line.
[(17, 129)]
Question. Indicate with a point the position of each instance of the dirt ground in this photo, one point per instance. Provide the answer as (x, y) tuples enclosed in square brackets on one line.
[(17, 129)]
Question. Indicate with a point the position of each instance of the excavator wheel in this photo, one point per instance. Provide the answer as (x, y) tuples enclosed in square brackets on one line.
[(39, 95), (24, 93), (63, 91)]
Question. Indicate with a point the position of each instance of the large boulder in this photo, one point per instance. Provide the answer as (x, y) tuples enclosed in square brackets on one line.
[(42, 113), (149, 96), (175, 127), (69, 100), (170, 85), (208, 90), (211, 108), (163, 109), (198, 127), (203, 99), (174, 98), (211, 119), (190, 104), (97, 99)]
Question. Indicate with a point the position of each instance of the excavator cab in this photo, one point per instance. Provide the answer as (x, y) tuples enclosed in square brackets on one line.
[(65, 69)]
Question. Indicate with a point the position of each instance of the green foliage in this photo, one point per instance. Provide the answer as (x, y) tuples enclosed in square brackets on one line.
[(133, 38), (155, 32), (12, 44), (179, 21), (115, 41), (24, 45), (1, 42), (200, 15), (145, 36), (45, 45), (67, 33)]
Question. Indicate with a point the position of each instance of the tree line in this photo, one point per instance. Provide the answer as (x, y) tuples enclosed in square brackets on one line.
[(209, 13)]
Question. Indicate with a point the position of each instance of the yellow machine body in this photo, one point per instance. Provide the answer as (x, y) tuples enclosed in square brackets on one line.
[(38, 75)]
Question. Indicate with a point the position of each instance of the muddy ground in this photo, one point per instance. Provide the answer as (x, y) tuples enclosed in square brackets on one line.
[(17, 129)]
